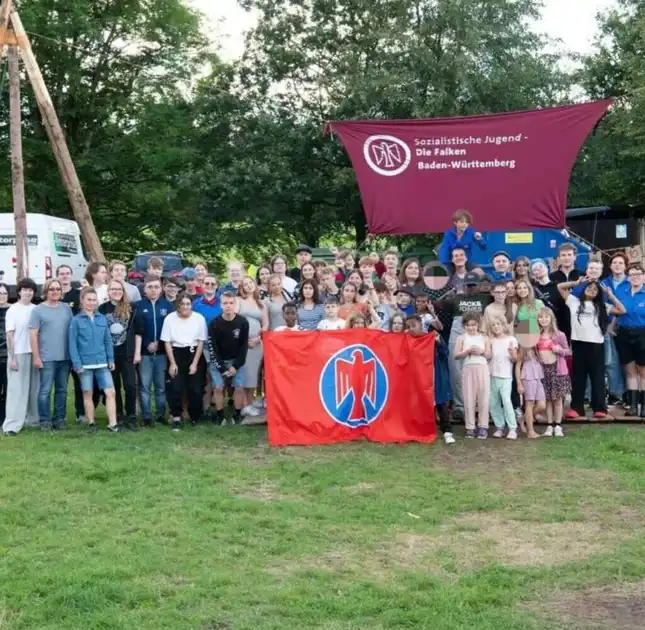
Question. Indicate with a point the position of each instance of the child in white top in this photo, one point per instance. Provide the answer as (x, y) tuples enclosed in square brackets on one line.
[(331, 321), (504, 354), (475, 350)]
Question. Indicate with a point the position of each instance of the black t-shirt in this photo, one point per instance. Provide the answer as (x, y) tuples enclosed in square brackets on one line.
[(3, 334), (73, 298), (562, 313), (228, 341)]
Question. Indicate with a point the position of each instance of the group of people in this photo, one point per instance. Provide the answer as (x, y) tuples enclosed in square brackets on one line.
[(510, 344)]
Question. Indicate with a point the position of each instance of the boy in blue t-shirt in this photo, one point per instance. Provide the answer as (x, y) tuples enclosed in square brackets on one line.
[(462, 235)]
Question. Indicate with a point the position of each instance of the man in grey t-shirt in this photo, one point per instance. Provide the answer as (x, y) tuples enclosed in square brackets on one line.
[(48, 329)]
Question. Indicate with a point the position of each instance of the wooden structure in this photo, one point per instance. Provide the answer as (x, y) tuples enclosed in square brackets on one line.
[(13, 35)]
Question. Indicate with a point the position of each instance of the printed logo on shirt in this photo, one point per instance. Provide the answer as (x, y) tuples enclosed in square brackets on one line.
[(164, 312), (354, 386), (236, 333)]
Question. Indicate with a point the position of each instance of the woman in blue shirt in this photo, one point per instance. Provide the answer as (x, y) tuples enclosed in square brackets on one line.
[(310, 312)]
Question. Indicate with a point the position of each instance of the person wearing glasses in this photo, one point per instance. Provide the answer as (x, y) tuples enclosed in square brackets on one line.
[(48, 330), (22, 377)]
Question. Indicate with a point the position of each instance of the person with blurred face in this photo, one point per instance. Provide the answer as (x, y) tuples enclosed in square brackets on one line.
[(92, 354), (228, 345), (303, 255), (118, 272), (184, 334), (149, 352), (48, 329), (22, 377)]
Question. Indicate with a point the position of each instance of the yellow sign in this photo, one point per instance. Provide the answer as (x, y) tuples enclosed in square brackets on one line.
[(518, 238)]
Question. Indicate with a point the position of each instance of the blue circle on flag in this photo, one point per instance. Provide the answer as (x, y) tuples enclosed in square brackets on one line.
[(354, 386)]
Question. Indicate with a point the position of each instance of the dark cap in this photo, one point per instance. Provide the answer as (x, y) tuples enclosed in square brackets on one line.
[(485, 278), (303, 248), (189, 273), (501, 252), (411, 292), (472, 278)]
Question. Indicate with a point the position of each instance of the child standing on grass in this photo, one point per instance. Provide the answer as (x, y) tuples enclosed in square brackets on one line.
[(552, 348), (529, 374), (475, 350), (504, 354)]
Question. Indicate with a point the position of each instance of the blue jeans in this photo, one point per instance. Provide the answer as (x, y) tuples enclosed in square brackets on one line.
[(152, 371), (53, 374), (613, 369)]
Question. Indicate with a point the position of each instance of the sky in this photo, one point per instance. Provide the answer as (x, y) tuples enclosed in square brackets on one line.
[(572, 21)]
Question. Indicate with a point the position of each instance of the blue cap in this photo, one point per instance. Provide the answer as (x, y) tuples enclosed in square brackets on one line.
[(189, 273), (537, 261)]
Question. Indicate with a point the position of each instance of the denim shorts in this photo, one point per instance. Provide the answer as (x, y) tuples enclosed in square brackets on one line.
[(218, 379), (102, 375)]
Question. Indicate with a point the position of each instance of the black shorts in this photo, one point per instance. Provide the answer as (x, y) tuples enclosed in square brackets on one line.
[(630, 343)]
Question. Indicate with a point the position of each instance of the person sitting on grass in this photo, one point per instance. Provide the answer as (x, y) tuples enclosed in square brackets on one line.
[(92, 355), (462, 235)]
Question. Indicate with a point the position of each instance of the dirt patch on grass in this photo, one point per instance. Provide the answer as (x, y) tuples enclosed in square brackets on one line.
[(260, 491), (474, 540), (610, 608), (361, 487)]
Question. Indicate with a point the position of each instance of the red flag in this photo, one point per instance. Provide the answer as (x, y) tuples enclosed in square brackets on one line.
[(510, 170), (325, 387)]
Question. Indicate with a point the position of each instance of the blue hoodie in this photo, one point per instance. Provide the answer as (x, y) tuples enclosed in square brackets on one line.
[(148, 321), (451, 241), (496, 276), (90, 341)]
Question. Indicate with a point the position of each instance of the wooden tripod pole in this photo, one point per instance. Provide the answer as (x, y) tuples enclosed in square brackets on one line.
[(59, 145), (17, 167)]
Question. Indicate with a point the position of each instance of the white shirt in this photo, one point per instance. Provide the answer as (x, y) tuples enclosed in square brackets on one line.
[(289, 285), (296, 328), (17, 320), (102, 294), (184, 332), (474, 341), (501, 365), (327, 324), (587, 328)]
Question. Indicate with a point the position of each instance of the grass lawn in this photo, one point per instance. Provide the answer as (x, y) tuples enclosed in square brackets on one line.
[(211, 529)]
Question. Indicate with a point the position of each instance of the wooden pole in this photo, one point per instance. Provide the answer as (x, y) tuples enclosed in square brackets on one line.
[(5, 10), (17, 169), (59, 145)]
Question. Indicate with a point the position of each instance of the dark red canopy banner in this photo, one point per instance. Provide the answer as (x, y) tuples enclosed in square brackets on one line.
[(511, 171)]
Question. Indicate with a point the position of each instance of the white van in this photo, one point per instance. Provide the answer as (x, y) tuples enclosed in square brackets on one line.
[(52, 242)]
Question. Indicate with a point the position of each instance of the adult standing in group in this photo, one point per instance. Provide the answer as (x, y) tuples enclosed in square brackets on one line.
[(501, 267), (235, 271), (96, 276), (310, 311), (92, 355), (228, 343), (274, 303), (184, 335), (72, 297), (22, 376), (254, 311), (171, 288), (49, 330), (279, 268), (190, 283), (303, 255), (460, 268), (521, 268), (118, 272), (207, 304), (617, 282), (149, 353), (120, 313), (630, 340), (566, 272), (262, 279), (545, 289), (201, 271), (307, 272), (4, 307)]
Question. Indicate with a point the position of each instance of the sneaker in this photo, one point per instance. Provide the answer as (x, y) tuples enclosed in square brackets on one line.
[(10, 434), (114, 428), (558, 431), (549, 431), (45, 427), (91, 427), (217, 417), (499, 433), (448, 438), (482, 433), (175, 426), (80, 420), (511, 435), (470, 434), (614, 401), (259, 403)]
